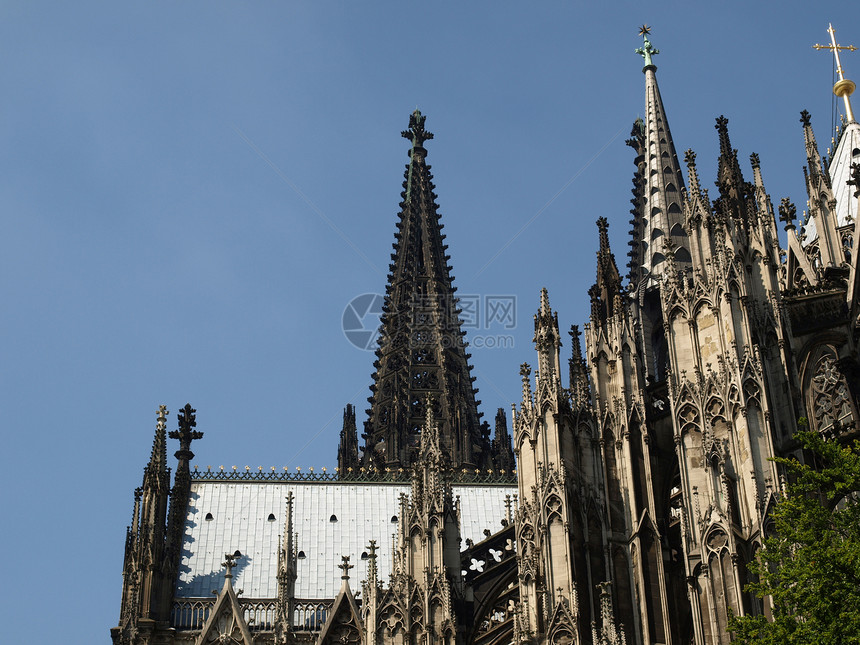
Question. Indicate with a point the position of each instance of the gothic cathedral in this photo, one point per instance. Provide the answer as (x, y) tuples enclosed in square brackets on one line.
[(622, 507)]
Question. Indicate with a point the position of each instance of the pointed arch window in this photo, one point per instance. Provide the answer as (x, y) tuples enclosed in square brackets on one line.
[(678, 230), (683, 255)]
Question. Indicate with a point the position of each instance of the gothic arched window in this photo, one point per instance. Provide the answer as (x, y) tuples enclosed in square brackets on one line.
[(831, 408)]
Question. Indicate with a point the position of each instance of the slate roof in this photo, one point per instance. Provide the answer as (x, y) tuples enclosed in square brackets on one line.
[(240, 520), (847, 152)]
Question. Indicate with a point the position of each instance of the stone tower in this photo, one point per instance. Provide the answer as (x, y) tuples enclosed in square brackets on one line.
[(560, 523), (425, 592), (422, 350)]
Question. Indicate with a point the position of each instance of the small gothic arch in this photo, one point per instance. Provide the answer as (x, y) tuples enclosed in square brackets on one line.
[(688, 418), (715, 410), (553, 509), (677, 230), (683, 255), (752, 391)]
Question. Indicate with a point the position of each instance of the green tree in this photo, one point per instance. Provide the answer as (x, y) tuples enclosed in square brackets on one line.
[(810, 566)]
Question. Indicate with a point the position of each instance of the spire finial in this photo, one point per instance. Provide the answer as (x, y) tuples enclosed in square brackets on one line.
[(186, 433), (230, 562), (787, 212), (843, 86), (345, 566), (722, 128), (162, 417), (603, 228), (544, 302), (159, 444), (416, 132), (647, 50)]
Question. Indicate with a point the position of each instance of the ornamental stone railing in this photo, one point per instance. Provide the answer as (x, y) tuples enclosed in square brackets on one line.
[(351, 475), (190, 614)]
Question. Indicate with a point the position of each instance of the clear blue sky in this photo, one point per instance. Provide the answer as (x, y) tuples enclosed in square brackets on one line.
[(191, 192)]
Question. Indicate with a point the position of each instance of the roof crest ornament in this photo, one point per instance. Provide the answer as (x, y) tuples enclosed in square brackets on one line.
[(647, 50), (345, 566), (843, 87), (417, 135), (186, 432), (229, 563), (416, 132)]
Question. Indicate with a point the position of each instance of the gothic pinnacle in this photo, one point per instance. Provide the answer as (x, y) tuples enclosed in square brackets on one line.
[(422, 349), (659, 211), (159, 444)]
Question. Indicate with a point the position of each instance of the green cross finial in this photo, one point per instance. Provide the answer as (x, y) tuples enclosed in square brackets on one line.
[(416, 132), (647, 50)]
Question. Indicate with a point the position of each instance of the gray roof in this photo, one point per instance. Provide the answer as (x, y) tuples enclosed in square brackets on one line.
[(240, 512), (847, 152)]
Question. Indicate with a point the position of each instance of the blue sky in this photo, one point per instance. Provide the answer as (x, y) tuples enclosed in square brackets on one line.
[(192, 192)]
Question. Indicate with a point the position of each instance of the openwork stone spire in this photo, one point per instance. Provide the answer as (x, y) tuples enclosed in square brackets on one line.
[(608, 285), (422, 352), (660, 214), (347, 452)]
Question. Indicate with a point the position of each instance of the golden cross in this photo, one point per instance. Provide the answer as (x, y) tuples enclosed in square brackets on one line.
[(835, 49), (843, 86)]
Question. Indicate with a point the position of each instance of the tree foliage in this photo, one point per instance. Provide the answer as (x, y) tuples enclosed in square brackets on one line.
[(810, 564)]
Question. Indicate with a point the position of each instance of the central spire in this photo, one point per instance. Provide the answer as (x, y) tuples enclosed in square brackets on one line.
[(657, 213), (422, 359)]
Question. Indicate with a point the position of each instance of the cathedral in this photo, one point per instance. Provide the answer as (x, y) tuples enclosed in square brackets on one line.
[(618, 503)]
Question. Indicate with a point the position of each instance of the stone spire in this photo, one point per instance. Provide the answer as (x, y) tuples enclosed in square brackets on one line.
[(287, 574), (179, 496), (422, 351), (347, 451), (662, 181), (503, 450), (608, 285), (579, 391), (146, 579), (547, 341), (736, 195)]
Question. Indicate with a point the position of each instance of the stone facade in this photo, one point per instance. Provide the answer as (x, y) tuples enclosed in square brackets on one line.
[(643, 485)]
